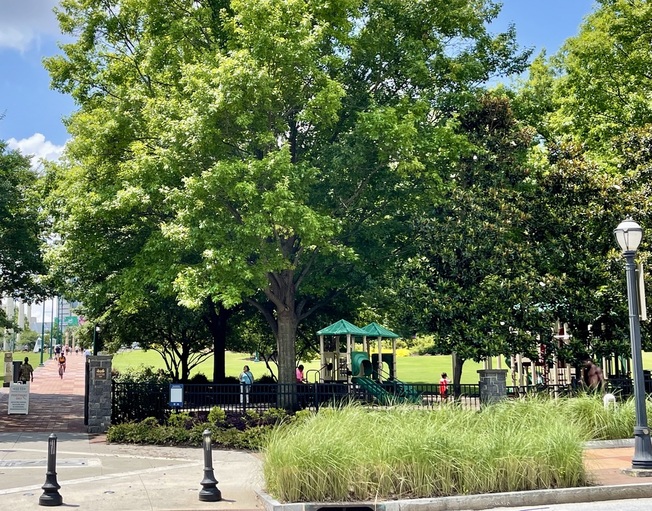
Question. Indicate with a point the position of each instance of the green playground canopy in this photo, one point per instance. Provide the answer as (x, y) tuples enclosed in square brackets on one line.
[(342, 327), (375, 330)]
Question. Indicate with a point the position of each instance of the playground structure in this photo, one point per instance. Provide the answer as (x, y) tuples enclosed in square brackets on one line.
[(525, 371), (342, 363)]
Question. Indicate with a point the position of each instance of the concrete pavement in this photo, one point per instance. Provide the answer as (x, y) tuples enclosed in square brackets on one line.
[(107, 477), (100, 476)]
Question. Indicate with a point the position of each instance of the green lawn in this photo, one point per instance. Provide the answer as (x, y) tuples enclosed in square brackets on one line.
[(426, 369)]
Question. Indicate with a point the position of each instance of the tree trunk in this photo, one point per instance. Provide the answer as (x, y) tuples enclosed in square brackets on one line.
[(185, 354), (286, 346), (216, 319), (282, 292), (458, 362)]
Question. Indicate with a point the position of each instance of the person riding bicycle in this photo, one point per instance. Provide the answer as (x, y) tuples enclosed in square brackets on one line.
[(62, 363)]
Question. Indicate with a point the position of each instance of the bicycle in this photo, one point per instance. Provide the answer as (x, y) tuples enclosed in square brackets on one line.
[(61, 370)]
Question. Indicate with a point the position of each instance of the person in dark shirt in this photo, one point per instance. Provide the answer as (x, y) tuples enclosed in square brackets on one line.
[(26, 371)]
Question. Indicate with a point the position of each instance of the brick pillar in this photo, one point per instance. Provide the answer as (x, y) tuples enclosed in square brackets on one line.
[(493, 386), (98, 387)]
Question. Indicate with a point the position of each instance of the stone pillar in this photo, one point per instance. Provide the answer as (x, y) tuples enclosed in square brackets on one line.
[(9, 369), (493, 386), (98, 393)]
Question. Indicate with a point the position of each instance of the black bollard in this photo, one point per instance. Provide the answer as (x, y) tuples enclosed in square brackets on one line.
[(209, 492), (51, 495)]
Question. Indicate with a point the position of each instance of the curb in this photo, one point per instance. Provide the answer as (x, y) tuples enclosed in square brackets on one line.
[(474, 502), (609, 444)]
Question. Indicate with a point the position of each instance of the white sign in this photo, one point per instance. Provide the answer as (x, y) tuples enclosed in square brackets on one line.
[(18, 398)]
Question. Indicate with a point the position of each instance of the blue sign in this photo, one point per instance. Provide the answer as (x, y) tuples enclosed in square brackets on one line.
[(176, 395)]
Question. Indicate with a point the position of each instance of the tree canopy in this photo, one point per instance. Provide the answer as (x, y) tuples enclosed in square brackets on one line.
[(21, 262), (292, 156), (256, 151)]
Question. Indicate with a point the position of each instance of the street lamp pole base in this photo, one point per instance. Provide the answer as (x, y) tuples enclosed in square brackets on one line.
[(642, 449)]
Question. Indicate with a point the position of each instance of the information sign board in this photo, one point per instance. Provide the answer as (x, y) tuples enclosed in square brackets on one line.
[(18, 398), (176, 395)]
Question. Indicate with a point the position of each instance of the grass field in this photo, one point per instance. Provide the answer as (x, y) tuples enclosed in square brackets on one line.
[(415, 369), (425, 369)]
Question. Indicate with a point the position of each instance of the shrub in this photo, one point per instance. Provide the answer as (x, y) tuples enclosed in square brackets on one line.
[(180, 420), (198, 378), (217, 416), (230, 432), (141, 374), (265, 379)]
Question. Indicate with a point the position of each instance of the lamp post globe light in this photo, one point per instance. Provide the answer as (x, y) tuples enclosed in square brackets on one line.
[(629, 235)]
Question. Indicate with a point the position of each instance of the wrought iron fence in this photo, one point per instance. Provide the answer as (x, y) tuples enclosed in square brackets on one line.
[(623, 387), (553, 391), (137, 401)]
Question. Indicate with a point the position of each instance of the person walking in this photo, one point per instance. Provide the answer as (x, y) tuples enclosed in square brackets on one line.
[(26, 372), (443, 386), (592, 375), (246, 381)]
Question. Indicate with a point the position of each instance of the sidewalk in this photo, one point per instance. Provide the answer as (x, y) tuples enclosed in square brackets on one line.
[(55, 404), (100, 476), (106, 477)]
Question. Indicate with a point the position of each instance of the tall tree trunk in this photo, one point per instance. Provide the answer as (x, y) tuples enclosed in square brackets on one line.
[(185, 354), (458, 362), (282, 292), (216, 319), (286, 346)]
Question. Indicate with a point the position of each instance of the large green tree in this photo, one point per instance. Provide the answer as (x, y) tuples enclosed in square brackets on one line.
[(604, 80), (472, 279), (21, 262), (178, 334), (590, 106), (266, 151)]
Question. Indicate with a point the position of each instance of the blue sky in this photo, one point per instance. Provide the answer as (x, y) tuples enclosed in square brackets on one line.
[(28, 32)]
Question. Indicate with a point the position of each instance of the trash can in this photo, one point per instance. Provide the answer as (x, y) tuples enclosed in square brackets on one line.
[(17, 365)]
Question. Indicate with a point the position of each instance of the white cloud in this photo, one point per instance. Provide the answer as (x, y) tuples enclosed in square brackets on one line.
[(37, 148), (23, 22)]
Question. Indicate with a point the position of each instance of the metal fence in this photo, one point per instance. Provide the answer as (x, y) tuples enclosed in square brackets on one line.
[(137, 401), (553, 391)]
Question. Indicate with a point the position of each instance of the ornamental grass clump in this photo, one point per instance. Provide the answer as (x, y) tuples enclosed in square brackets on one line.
[(356, 454), (589, 413)]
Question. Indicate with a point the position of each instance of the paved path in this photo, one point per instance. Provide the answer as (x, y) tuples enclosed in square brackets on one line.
[(55, 404), (100, 476)]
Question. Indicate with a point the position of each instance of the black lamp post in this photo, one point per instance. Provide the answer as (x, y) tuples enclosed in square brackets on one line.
[(42, 339), (96, 332), (629, 235)]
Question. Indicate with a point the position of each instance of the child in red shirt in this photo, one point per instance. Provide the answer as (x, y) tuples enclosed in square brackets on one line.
[(443, 386)]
